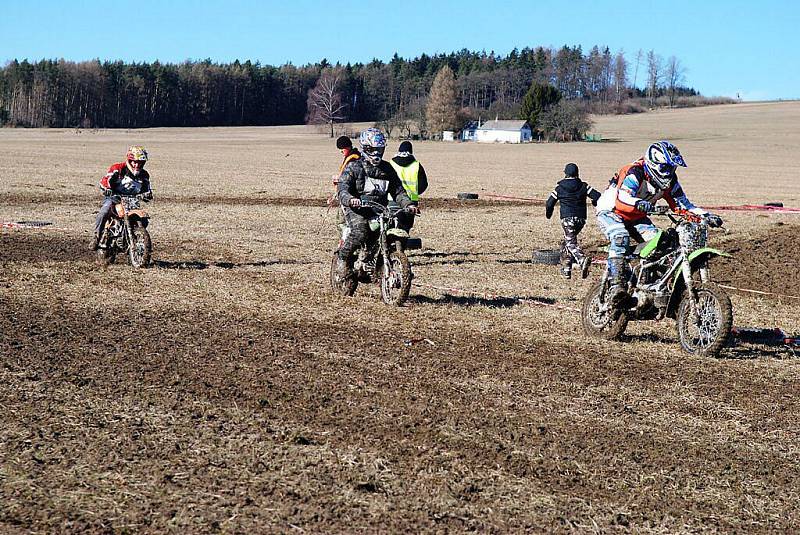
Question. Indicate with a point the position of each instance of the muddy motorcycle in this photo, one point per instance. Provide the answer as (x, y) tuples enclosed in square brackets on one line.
[(669, 277), (381, 259), (125, 232)]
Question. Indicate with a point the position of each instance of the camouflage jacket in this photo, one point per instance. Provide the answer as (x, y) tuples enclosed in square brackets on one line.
[(363, 180)]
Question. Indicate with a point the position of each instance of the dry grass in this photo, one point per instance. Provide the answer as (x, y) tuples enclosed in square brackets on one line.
[(227, 390)]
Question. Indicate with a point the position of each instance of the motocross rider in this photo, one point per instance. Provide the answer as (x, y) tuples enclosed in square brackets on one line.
[(124, 178), (623, 207), (372, 178)]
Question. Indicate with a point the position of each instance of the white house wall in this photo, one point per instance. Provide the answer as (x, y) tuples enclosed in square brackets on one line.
[(497, 136)]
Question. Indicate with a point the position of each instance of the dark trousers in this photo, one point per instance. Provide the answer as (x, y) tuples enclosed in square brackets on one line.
[(102, 215), (570, 249), (405, 221)]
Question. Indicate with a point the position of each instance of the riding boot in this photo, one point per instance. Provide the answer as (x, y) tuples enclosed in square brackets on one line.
[(617, 291), (586, 264), (343, 270)]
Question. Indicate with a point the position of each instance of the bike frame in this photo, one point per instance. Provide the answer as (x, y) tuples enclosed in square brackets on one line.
[(126, 215), (682, 267)]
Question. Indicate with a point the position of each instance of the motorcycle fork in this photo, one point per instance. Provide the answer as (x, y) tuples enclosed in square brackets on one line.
[(384, 252), (129, 236), (686, 271)]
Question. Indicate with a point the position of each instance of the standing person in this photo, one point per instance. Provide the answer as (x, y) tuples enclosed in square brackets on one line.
[(633, 192), (413, 177), (572, 192), (124, 178), (350, 153), (372, 178)]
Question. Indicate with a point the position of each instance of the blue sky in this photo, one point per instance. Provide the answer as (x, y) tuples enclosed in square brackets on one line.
[(727, 47)]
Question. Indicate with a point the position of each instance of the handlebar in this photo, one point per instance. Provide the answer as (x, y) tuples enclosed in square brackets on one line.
[(378, 207), (680, 213)]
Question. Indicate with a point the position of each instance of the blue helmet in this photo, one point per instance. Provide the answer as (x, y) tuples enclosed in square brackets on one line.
[(373, 145), (660, 162)]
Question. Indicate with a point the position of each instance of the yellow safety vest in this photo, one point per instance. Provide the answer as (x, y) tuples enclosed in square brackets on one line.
[(409, 176)]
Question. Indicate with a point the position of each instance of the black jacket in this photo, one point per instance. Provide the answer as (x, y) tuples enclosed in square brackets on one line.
[(571, 193), (422, 178), (363, 180)]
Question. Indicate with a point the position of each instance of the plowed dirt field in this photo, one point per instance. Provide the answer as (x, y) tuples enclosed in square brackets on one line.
[(225, 389)]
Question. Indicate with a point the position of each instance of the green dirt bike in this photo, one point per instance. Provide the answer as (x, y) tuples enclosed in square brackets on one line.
[(380, 259), (671, 279)]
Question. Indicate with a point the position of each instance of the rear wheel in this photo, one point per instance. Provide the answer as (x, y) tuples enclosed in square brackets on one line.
[(600, 320), (708, 333), (141, 249), (395, 279), (346, 287)]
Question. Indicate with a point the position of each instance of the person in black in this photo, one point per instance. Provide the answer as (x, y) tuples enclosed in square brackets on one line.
[(571, 192), (372, 178), (413, 177)]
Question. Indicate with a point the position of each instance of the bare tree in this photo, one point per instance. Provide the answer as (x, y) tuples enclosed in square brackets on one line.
[(636, 71), (654, 75), (675, 75), (325, 100), (620, 75)]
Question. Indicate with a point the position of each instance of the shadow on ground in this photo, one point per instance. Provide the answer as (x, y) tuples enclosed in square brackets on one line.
[(199, 264)]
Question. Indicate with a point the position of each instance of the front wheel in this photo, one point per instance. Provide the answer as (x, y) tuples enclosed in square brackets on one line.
[(706, 334), (141, 249), (395, 279), (346, 286), (104, 257), (599, 319)]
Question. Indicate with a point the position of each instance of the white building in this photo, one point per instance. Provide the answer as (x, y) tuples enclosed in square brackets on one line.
[(503, 132)]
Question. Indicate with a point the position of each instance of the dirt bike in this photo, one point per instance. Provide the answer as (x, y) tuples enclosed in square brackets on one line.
[(125, 232), (671, 279), (381, 259)]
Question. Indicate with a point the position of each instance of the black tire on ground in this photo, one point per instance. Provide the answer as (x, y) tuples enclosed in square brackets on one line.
[(607, 326), (396, 285), (716, 319), (141, 250), (346, 287), (467, 196), (546, 256)]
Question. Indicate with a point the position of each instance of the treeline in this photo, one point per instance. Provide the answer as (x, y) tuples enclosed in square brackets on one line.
[(107, 94)]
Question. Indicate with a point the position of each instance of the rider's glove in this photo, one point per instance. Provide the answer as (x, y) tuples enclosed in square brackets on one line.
[(714, 220), (355, 202), (147, 196), (412, 209), (644, 206), (107, 192)]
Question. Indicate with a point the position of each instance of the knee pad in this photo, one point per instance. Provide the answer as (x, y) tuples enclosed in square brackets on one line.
[(618, 246)]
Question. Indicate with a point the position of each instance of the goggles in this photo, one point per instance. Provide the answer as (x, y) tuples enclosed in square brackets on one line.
[(374, 151)]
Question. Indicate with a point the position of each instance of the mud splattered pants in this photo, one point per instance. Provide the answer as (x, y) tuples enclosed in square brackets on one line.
[(358, 230), (619, 232)]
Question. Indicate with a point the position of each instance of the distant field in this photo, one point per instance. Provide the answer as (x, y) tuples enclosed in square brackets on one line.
[(226, 389)]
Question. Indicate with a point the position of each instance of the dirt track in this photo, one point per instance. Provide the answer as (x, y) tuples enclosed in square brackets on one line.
[(217, 414), (226, 390)]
